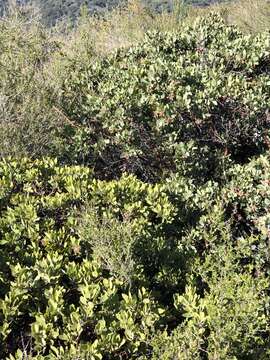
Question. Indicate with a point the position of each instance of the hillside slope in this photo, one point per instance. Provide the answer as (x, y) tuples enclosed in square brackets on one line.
[(53, 10), (137, 227)]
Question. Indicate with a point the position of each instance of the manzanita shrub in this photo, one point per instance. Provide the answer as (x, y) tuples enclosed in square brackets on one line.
[(194, 282), (58, 295), (134, 110), (56, 299)]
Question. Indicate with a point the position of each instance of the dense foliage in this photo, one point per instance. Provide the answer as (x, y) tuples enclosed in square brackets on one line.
[(134, 194), (199, 253), (194, 94)]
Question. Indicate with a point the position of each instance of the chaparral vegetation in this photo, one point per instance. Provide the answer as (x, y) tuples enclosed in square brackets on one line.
[(135, 184)]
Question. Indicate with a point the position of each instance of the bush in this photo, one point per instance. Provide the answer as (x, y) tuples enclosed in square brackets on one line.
[(55, 299), (98, 283), (208, 84), (148, 236), (112, 243), (225, 306)]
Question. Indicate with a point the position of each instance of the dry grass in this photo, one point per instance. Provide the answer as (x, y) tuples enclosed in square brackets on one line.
[(251, 16), (125, 26), (121, 27)]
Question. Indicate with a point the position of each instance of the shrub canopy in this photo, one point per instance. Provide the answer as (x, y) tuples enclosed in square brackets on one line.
[(138, 225)]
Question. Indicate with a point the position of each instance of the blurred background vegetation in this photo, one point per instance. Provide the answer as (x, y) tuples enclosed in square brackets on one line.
[(54, 10)]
